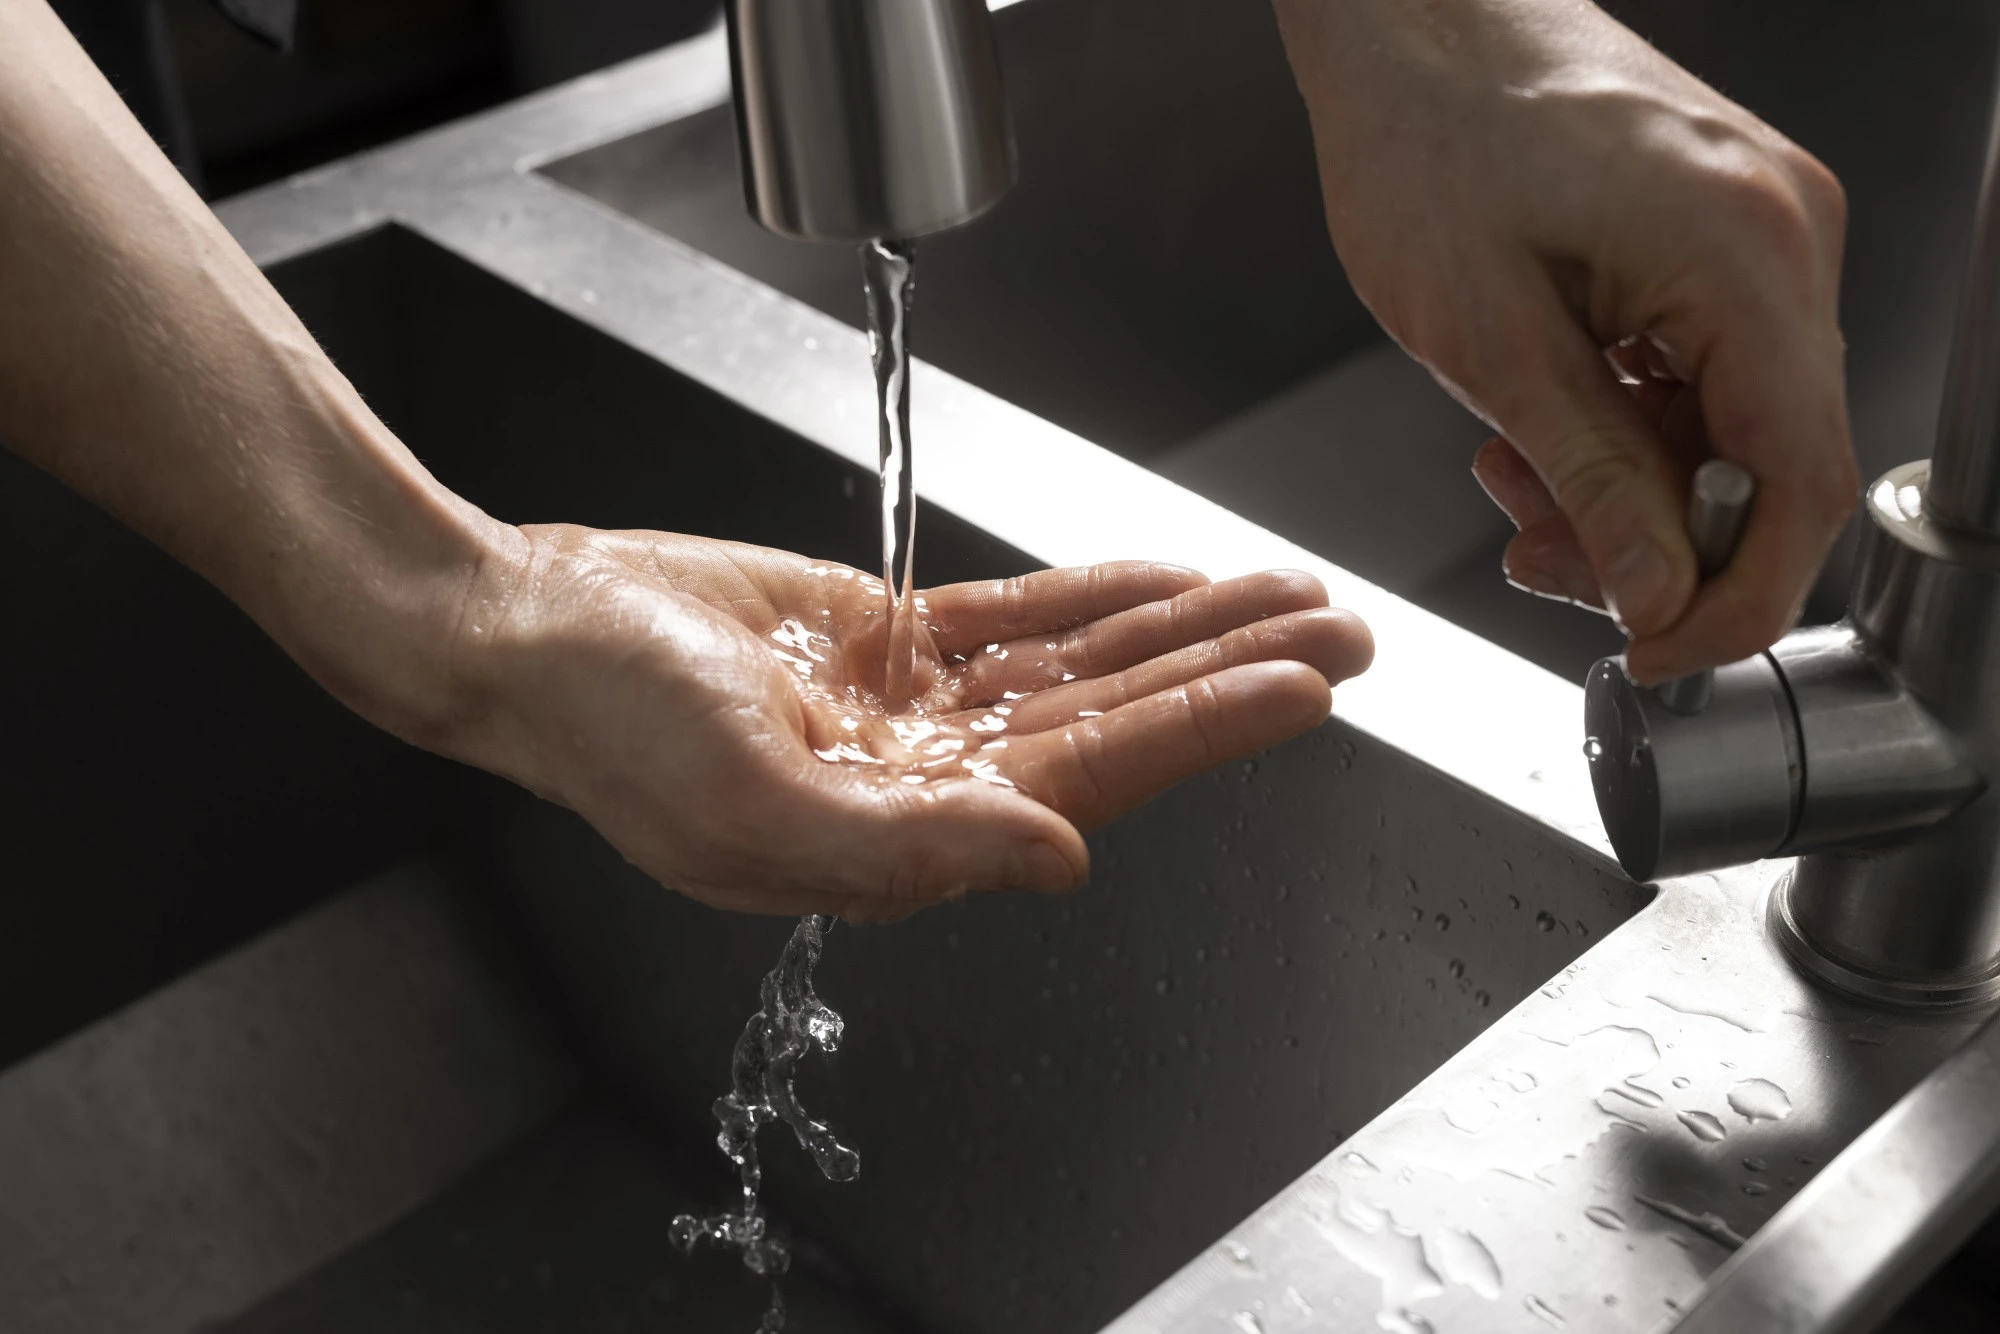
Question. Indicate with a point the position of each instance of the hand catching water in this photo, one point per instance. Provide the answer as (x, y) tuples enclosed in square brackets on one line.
[(714, 710)]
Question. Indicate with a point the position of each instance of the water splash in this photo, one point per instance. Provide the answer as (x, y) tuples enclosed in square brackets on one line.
[(789, 1023)]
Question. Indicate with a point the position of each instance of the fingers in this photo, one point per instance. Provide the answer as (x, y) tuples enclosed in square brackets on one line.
[(1546, 559), (1771, 397), (1096, 769), (1126, 638), (871, 851), (1334, 643), (965, 616), (1600, 459)]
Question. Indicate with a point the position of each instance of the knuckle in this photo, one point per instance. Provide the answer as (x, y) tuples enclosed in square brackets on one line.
[(1204, 708), (1763, 203), (1821, 190), (1585, 479)]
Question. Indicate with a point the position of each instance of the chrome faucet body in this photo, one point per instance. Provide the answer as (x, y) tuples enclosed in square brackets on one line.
[(1868, 750), (862, 120)]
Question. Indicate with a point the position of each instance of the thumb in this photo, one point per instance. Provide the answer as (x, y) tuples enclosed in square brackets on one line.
[(1551, 392)]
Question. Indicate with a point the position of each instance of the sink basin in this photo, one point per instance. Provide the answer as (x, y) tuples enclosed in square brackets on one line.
[(1368, 1029)]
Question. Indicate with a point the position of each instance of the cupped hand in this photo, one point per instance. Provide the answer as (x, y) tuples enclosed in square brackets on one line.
[(1517, 186), (715, 710)]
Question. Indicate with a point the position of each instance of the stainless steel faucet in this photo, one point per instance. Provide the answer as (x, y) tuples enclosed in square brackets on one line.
[(862, 120), (1869, 749)]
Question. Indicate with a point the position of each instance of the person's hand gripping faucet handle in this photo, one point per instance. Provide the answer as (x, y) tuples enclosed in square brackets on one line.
[(1718, 506)]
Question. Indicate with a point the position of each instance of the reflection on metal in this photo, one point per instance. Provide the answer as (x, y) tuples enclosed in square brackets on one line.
[(1859, 1239), (1511, 1184), (859, 119)]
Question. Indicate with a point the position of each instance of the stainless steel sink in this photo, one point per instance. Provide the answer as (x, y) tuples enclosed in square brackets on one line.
[(1367, 1030)]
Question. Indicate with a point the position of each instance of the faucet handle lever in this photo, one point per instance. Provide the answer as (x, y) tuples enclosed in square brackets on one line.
[(1718, 505)]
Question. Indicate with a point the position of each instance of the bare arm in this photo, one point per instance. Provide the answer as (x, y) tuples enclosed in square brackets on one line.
[(146, 362), (1518, 186)]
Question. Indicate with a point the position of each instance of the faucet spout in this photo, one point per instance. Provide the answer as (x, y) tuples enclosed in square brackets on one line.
[(861, 120)]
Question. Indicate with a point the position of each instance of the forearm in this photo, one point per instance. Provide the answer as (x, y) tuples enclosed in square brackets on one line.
[(146, 362)]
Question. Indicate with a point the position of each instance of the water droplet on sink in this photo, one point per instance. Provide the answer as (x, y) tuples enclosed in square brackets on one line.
[(1593, 749), (1605, 1217), (1703, 1126), (1463, 1259), (1248, 1323), (1760, 1100), (1299, 1302), (1638, 1093), (1356, 1165), (1240, 1256), (1545, 921), (1754, 1164), (1541, 1308), (1682, 1081), (1370, 1238), (1456, 968), (1755, 1188)]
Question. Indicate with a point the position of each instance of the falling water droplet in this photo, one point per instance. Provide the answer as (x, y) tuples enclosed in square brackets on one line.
[(1703, 1126), (1760, 1100)]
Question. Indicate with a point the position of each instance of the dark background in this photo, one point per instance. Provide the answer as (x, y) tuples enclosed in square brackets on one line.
[(234, 112)]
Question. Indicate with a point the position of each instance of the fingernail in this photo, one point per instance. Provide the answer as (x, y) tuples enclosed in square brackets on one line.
[(1045, 870), (1532, 579), (1638, 582)]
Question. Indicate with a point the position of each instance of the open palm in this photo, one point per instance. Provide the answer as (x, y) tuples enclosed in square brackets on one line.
[(716, 710)]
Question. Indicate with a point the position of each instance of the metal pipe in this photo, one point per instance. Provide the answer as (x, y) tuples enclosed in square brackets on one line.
[(1965, 466)]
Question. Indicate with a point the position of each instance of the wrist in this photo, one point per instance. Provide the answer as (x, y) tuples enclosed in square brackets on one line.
[(368, 572)]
